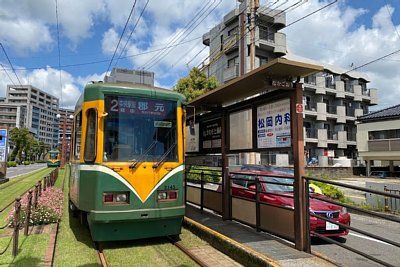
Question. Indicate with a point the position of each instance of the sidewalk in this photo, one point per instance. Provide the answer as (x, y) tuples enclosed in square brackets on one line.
[(268, 250)]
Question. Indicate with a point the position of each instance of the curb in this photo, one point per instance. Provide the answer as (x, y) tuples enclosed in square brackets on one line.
[(237, 251)]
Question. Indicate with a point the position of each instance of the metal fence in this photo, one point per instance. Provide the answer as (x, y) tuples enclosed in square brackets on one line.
[(33, 195)]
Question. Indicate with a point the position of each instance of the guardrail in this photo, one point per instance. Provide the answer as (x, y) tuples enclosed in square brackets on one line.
[(33, 197), (386, 194), (254, 210)]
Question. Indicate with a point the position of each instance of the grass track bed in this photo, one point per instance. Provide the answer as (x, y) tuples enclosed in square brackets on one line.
[(146, 252), (74, 245)]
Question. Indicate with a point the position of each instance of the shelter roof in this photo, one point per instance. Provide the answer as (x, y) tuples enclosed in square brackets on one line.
[(255, 82)]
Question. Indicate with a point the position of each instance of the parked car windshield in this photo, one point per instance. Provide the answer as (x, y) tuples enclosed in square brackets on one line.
[(277, 187)]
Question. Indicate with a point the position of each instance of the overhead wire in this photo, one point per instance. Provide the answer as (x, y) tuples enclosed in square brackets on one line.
[(172, 66), (195, 26), (11, 65), (248, 30), (130, 35), (59, 55), (122, 34), (288, 25), (8, 75), (173, 38)]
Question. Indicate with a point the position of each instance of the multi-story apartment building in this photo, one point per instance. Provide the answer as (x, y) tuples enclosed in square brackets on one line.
[(34, 109), (333, 99), (229, 41)]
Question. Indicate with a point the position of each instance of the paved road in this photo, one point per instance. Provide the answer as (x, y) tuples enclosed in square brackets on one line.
[(22, 169), (359, 196), (373, 247)]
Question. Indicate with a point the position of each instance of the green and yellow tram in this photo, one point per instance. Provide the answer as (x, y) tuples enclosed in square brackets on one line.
[(127, 161), (53, 158)]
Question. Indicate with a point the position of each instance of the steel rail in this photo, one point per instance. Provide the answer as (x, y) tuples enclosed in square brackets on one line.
[(100, 254), (193, 256)]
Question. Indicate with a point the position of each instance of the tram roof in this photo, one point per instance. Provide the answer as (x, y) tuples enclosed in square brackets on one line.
[(97, 90), (254, 82)]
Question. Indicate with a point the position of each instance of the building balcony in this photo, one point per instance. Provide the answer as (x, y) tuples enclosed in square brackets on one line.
[(357, 93), (384, 145), (339, 86), (206, 39), (321, 111), (280, 43), (322, 138)]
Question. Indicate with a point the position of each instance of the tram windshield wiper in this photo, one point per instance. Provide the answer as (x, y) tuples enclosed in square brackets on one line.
[(143, 155), (162, 158)]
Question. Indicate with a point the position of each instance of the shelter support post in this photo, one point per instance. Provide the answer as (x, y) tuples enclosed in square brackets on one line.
[(226, 183), (302, 236)]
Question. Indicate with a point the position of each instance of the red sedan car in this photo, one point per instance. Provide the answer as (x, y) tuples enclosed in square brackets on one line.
[(243, 185)]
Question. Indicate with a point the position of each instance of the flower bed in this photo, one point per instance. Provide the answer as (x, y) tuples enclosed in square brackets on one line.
[(49, 208)]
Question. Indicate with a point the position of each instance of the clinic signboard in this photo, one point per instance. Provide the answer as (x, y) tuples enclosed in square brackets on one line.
[(273, 124), (3, 152)]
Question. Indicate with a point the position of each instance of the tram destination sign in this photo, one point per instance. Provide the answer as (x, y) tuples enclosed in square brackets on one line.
[(273, 124), (137, 106)]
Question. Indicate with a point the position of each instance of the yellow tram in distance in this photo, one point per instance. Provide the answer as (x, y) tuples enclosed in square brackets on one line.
[(127, 161), (53, 158)]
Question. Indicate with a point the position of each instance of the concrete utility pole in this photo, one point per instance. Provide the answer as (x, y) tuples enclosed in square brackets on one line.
[(254, 5)]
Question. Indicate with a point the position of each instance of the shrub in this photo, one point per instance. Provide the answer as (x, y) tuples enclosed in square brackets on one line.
[(49, 208), (27, 162), (330, 191), (209, 174), (11, 164)]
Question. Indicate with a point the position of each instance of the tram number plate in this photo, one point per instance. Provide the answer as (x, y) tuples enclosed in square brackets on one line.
[(331, 226), (169, 187)]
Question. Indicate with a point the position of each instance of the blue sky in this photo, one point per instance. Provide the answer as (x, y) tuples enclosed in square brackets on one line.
[(348, 32)]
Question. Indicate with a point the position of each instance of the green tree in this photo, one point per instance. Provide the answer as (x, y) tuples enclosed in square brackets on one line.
[(19, 136), (196, 84)]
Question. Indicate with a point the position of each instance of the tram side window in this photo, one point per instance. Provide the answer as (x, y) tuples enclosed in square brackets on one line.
[(78, 134), (90, 143)]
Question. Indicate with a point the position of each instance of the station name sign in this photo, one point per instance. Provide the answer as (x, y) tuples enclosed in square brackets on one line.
[(280, 83)]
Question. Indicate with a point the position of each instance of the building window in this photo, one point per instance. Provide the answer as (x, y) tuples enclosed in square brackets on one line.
[(262, 60), (233, 31), (78, 134), (311, 79), (232, 62), (265, 33)]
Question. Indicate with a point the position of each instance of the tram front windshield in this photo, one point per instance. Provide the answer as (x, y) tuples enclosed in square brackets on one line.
[(139, 129), (53, 155)]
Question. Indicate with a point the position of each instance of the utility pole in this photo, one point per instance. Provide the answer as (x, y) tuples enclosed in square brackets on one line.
[(254, 5)]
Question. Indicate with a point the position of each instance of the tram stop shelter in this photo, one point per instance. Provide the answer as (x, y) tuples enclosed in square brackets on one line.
[(257, 112)]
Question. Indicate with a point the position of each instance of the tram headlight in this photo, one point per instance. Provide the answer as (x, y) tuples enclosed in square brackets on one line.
[(162, 195), (121, 197), (167, 195)]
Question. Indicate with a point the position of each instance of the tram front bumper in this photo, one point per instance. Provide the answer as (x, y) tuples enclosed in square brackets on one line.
[(97, 216)]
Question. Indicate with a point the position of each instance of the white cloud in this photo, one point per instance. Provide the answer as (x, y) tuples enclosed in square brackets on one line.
[(24, 36), (337, 36)]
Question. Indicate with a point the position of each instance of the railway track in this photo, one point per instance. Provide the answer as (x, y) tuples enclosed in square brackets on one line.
[(103, 260), (186, 251), (100, 254)]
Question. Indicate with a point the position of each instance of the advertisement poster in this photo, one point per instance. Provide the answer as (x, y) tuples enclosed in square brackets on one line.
[(273, 125), (3, 145), (192, 138), (211, 134)]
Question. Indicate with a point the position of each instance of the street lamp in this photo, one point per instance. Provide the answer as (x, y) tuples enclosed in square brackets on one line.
[(63, 144)]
